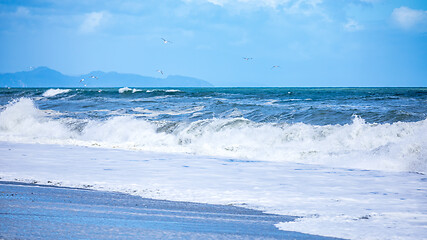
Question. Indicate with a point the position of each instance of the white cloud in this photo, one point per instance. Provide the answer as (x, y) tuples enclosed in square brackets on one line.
[(408, 18), (352, 26), (92, 21)]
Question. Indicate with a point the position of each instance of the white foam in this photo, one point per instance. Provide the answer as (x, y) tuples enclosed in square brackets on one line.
[(21, 120), (53, 92), (126, 89), (400, 146), (270, 102), (346, 203), (163, 90), (153, 113)]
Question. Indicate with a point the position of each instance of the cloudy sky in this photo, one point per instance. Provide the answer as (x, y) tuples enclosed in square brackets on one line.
[(315, 42)]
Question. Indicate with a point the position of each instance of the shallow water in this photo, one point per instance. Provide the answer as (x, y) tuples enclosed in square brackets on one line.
[(33, 211)]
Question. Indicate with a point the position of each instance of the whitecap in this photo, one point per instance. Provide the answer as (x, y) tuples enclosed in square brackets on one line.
[(163, 90), (124, 89), (53, 92)]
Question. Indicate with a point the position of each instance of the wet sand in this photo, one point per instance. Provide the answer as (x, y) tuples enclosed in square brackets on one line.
[(31, 211)]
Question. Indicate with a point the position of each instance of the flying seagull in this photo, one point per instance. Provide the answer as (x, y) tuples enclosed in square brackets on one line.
[(275, 66), (166, 41), (160, 71), (94, 77), (247, 58), (82, 80)]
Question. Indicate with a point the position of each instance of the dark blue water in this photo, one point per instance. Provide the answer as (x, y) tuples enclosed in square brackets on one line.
[(317, 106)]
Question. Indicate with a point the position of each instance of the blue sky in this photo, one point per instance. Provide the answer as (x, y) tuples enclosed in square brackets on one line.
[(315, 42)]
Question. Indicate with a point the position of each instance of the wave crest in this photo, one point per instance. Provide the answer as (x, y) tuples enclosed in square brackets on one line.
[(21, 120), (126, 89), (53, 92)]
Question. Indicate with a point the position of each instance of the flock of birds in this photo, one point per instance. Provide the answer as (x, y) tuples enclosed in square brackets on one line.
[(165, 41), (82, 80)]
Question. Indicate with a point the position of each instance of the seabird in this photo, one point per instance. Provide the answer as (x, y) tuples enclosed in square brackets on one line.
[(160, 71), (82, 80), (166, 41), (275, 66), (247, 58), (94, 77)]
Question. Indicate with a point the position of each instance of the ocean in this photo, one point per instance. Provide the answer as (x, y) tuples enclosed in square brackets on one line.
[(338, 126), (349, 161)]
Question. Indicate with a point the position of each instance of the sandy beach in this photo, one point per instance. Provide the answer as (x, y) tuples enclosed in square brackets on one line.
[(32, 211)]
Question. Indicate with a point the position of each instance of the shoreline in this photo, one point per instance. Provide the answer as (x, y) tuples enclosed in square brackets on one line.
[(336, 202), (33, 211)]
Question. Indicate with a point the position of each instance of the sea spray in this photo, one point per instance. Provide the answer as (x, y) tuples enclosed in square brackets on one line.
[(22, 121)]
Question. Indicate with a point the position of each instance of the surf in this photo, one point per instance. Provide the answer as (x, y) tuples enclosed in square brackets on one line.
[(399, 146)]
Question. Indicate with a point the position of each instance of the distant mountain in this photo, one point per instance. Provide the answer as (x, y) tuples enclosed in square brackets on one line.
[(46, 77)]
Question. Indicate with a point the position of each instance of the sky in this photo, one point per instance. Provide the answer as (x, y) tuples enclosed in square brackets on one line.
[(325, 43)]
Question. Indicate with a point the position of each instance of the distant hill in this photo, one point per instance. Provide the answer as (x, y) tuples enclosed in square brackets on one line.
[(46, 77)]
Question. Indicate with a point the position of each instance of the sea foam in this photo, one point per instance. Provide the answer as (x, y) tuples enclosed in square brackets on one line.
[(401, 146)]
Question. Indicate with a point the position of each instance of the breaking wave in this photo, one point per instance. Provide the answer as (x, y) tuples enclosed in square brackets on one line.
[(126, 89), (53, 92), (400, 146)]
